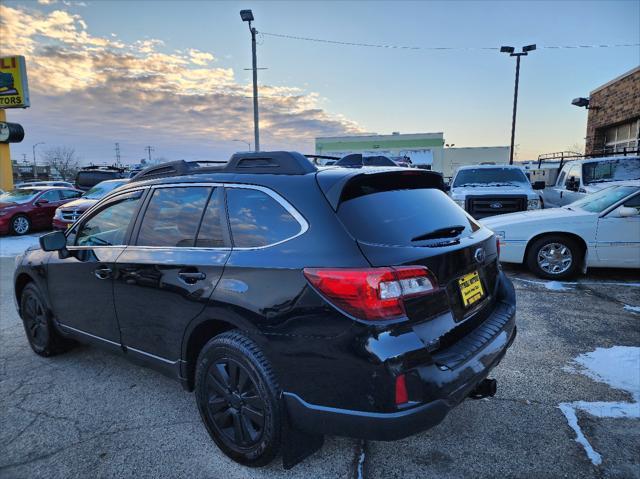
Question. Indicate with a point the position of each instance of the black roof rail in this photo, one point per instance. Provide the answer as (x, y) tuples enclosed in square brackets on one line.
[(271, 162)]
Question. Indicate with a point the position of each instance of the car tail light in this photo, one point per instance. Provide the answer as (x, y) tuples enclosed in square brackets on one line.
[(498, 247), (402, 396), (372, 293)]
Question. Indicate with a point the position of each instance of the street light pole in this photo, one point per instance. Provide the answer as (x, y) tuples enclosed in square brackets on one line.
[(524, 52), (247, 16), (35, 168)]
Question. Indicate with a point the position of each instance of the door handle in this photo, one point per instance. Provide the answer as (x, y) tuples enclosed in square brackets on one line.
[(191, 277), (103, 272)]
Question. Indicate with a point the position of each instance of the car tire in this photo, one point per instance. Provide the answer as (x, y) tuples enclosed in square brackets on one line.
[(554, 257), (41, 334), (20, 225), (238, 399)]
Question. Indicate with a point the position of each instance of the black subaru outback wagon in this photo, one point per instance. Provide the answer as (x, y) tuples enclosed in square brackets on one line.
[(297, 302)]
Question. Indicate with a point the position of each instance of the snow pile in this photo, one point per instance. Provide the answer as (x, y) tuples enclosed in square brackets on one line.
[(14, 245), (633, 309), (618, 367)]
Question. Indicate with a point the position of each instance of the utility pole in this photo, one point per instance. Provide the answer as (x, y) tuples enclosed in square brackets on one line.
[(118, 154), (35, 168), (149, 149), (524, 52), (247, 16)]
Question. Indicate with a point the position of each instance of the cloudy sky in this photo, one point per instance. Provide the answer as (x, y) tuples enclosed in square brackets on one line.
[(173, 74)]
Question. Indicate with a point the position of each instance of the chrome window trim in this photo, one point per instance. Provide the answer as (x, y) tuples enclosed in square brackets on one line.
[(174, 248), (302, 222)]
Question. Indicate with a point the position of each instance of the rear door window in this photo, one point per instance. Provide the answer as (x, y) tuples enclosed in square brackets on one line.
[(257, 219), (415, 217), (173, 216)]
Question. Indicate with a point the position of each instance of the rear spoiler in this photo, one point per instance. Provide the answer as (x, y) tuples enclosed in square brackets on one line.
[(338, 187)]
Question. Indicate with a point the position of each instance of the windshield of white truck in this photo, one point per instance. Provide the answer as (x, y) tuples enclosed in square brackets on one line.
[(611, 170), (483, 177)]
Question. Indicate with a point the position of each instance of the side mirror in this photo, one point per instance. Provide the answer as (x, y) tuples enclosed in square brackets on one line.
[(627, 211), (538, 185), (573, 184), (54, 241), (41, 202), (447, 187)]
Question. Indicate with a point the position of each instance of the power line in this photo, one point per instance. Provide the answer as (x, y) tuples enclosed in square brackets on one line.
[(407, 47)]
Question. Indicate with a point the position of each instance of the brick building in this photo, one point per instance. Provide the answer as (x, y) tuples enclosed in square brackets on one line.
[(614, 115)]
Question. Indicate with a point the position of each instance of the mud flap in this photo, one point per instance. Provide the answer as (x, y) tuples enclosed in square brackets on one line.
[(297, 445)]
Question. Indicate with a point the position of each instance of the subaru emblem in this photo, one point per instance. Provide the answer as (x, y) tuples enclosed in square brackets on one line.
[(479, 255), (496, 206)]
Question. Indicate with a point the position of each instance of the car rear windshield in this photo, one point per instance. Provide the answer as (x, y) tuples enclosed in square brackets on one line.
[(87, 179), (412, 217), (22, 195), (490, 177), (611, 170)]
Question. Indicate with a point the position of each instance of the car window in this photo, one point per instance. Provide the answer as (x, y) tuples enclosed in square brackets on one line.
[(633, 203), (210, 234), (50, 196), (405, 217), (574, 172), (257, 219), (483, 177), (66, 194), (560, 181), (173, 216), (108, 227), (603, 199)]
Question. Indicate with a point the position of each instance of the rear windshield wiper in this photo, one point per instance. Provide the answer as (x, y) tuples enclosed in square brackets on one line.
[(448, 232)]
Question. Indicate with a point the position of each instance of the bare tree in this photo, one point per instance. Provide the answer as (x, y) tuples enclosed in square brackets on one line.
[(64, 160)]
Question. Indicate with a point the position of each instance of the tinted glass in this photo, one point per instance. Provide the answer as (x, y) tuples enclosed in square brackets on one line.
[(66, 194), (109, 226), (398, 217), (616, 170), (490, 177), (378, 161), (257, 219), (173, 216), (50, 196), (210, 234), (603, 199)]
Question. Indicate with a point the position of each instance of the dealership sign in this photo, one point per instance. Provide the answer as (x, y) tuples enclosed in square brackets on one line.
[(14, 89)]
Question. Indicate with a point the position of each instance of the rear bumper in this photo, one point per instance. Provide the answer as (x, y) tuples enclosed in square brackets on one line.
[(435, 387)]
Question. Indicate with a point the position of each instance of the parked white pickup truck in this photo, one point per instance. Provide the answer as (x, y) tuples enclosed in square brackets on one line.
[(488, 190), (581, 177)]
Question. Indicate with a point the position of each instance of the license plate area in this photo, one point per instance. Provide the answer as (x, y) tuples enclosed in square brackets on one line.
[(471, 289)]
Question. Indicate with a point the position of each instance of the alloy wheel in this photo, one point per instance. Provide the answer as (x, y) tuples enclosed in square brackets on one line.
[(555, 258), (36, 321), (234, 404), (20, 225)]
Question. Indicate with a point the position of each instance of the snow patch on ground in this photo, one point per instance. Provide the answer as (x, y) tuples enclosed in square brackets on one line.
[(633, 309), (555, 286), (617, 367), (15, 245)]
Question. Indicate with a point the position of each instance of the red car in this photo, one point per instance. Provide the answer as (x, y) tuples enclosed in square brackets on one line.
[(25, 209)]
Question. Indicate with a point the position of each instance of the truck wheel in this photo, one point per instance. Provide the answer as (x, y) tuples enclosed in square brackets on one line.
[(20, 225), (238, 399), (41, 334), (554, 257)]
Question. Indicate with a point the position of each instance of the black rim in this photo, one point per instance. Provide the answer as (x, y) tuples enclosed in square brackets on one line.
[(234, 404), (36, 321)]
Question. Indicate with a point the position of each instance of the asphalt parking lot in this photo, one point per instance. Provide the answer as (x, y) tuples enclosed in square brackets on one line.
[(92, 414)]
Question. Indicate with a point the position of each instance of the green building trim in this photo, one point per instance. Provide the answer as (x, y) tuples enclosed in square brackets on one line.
[(373, 144)]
